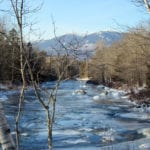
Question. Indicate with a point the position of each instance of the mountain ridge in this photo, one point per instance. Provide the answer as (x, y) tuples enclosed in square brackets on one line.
[(83, 42)]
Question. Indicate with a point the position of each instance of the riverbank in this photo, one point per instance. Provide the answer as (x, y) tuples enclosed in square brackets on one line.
[(142, 97), (139, 95), (9, 86)]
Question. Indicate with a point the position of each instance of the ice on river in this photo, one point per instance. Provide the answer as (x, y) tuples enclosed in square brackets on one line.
[(98, 119)]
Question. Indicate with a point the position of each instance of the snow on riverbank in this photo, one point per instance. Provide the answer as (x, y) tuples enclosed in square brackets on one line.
[(107, 94), (7, 89), (141, 144), (4, 94), (3, 87), (139, 97), (110, 93)]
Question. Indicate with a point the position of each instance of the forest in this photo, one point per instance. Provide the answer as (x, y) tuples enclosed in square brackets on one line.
[(124, 62)]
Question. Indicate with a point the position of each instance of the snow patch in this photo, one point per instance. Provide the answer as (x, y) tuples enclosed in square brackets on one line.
[(96, 98), (3, 98), (145, 131), (66, 132), (145, 146), (3, 87), (76, 141)]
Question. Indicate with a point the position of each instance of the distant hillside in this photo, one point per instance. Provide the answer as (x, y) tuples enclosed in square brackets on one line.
[(82, 43)]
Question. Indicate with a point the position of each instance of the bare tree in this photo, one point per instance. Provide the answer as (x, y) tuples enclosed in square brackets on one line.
[(145, 3), (18, 8), (49, 102), (20, 11), (63, 61)]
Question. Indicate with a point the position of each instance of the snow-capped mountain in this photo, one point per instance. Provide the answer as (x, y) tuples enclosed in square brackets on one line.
[(79, 42)]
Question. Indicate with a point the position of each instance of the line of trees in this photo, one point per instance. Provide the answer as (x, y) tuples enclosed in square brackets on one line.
[(44, 67), (10, 61), (126, 61)]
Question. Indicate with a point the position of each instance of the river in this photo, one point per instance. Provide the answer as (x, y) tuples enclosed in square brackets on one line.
[(99, 118)]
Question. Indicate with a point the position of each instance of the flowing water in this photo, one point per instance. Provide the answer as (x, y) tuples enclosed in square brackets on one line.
[(87, 117)]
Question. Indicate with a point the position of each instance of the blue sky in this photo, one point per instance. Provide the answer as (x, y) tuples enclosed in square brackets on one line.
[(82, 16)]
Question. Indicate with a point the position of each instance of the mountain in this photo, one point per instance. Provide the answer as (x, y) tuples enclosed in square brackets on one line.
[(78, 42)]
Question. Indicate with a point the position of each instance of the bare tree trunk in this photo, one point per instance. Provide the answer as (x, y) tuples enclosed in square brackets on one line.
[(6, 139), (13, 64), (147, 5), (21, 98), (49, 126), (18, 8)]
